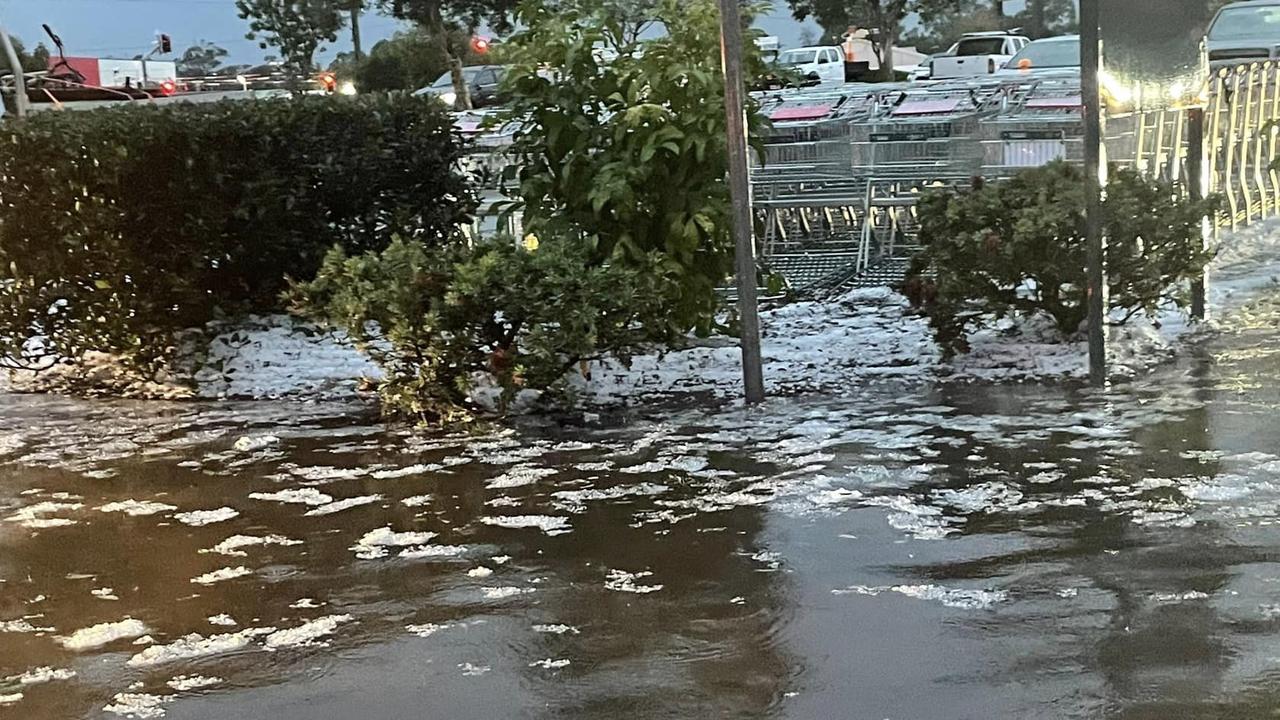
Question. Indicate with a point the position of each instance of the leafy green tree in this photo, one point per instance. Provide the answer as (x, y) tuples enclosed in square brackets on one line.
[(628, 154), (446, 21), (1018, 248), (201, 59), (35, 61), (884, 17), (298, 28), (407, 60)]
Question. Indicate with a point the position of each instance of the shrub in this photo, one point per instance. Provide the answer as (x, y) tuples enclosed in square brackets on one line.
[(1018, 248), (119, 227), (628, 153), (436, 319)]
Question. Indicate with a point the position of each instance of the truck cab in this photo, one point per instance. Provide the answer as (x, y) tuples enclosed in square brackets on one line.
[(977, 54), (824, 64)]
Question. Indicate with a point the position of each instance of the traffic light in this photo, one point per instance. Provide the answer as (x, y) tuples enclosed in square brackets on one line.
[(329, 82), (479, 45), (168, 87), (166, 44)]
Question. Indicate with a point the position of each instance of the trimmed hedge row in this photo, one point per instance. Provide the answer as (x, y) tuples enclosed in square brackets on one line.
[(120, 227)]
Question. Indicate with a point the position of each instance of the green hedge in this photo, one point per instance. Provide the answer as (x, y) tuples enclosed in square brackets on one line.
[(119, 227)]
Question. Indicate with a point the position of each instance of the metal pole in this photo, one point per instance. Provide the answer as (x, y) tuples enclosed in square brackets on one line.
[(740, 194), (1095, 180), (1196, 191), (19, 80)]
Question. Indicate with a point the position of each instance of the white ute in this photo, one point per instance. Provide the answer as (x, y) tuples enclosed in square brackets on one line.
[(824, 64), (977, 54)]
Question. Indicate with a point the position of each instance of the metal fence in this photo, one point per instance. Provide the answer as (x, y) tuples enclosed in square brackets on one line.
[(836, 186)]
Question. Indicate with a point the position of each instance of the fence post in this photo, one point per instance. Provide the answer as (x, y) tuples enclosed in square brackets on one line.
[(1196, 181), (740, 194), (1094, 181)]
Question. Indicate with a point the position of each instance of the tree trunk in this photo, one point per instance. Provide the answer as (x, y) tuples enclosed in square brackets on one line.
[(355, 28), (462, 93), (997, 7), (888, 38), (1037, 19)]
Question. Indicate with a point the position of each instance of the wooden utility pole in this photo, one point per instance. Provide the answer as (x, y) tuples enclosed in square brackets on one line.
[(1095, 168), (740, 194), (19, 80)]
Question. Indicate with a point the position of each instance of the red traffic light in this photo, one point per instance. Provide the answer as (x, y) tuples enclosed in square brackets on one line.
[(168, 87), (479, 45), (328, 81)]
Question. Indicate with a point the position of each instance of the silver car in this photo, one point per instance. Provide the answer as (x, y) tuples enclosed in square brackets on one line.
[(1242, 33)]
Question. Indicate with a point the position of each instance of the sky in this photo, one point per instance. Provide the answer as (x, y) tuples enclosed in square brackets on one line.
[(125, 28)]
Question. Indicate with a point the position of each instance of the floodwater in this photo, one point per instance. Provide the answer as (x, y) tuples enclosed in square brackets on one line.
[(912, 552)]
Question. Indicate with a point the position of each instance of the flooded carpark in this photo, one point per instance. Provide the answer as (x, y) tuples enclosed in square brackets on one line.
[(923, 550)]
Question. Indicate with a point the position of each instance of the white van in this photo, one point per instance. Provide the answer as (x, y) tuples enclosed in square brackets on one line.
[(824, 64)]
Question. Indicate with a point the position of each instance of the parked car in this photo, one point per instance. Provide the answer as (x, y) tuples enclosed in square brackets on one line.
[(977, 54), (1242, 33), (824, 64), (484, 80), (924, 71), (1059, 56)]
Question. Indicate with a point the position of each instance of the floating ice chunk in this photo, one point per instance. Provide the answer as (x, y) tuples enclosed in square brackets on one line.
[(33, 516), (325, 473), (519, 477), (105, 593), (1179, 597), (406, 471), (232, 545), (141, 706), (200, 518), (623, 581), (1067, 593), (217, 576), (145, 640), (304, 496), (340, 505), (41, 675), (549, 524), (577, 497), (473, 670), (136, 508), (10, 699), (306, 634), (951, 597), (416, 501), (427, 630), (224, 620), (254, 443), (196, 645), (479, 572), (556, 629), (502, 593), (501, 559), (183, 683), (103, 633), (549, 664), (374, 543), (305, 604), (422, 552)]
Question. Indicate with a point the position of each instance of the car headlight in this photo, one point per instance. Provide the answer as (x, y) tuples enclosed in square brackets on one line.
[(449, 98)]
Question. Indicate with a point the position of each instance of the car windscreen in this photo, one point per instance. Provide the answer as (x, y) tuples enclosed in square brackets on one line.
[(1246, 22), (799, 57), (446, 80), (1048, 55), (980, 46)]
